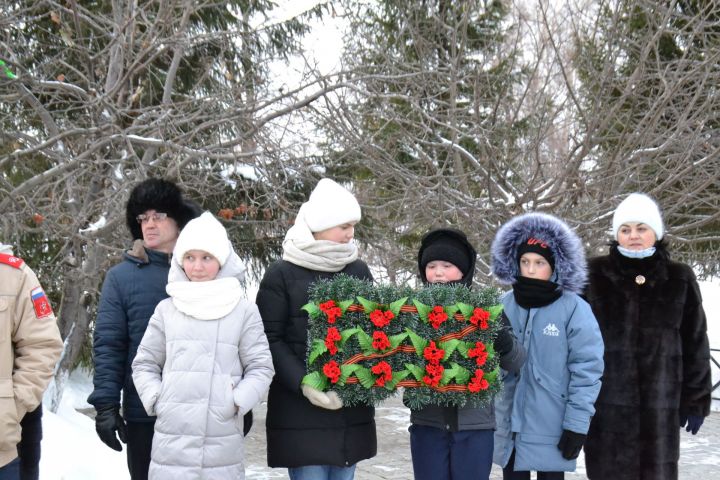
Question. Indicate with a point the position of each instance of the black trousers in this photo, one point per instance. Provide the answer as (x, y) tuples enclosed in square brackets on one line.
[(139, 446), (29, 446), (509, 474)]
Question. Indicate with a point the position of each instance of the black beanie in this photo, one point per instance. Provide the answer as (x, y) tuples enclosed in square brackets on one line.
[(162, 196), (534, 245), (447, 245)]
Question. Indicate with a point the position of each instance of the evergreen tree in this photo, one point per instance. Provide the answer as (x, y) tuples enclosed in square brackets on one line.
[(99, 95), (432, 131), (649, 83)]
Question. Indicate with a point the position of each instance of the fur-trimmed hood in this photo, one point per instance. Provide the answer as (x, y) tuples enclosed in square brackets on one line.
[(570, 265)]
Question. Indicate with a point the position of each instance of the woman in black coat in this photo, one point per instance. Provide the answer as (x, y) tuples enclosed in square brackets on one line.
[(309, 431), (657, 370)]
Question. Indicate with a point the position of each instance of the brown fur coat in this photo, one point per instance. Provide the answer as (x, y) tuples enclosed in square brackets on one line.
[(656, 365)]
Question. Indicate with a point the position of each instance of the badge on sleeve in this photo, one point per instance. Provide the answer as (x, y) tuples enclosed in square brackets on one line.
[(40, 303)]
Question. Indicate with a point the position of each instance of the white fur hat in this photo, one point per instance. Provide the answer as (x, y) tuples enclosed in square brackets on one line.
[(638, 208), (330, 205), (203, 233)]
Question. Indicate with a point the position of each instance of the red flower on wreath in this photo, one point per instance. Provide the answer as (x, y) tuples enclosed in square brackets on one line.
[(434, 374), (480, 318), (332, 311), (380, 341), (384, 370), (437, 316), (433, 354), (478, 383), (333, 335), (332, 370), (380, 318), (478, 352)]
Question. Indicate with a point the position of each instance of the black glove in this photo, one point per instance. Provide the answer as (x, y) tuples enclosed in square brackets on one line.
[(107, 422), (570, 444), (247, 423), (504, 341), (694, 422)]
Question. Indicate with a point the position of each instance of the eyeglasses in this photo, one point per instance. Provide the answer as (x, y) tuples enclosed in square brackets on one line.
[(155, 217)]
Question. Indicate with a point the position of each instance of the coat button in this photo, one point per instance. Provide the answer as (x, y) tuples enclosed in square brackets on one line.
[(640, 280)]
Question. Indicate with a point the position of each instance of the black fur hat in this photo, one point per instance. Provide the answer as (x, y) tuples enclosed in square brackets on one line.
[(162, 196)]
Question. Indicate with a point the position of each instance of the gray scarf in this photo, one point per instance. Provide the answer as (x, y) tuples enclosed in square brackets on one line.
[(301, 248)]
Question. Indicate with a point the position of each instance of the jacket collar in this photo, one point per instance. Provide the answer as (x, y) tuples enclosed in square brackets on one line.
[(653, 268), (144, 256)]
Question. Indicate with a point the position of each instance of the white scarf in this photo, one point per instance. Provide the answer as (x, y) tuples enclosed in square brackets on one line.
[(301, 248), (205, 300)]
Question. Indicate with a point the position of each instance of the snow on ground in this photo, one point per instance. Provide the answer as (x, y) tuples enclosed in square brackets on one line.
[(71, 449)]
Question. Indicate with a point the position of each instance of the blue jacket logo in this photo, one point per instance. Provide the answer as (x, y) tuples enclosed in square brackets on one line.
[(551, 330)]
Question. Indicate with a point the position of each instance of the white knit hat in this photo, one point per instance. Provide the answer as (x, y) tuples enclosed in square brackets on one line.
[(203, 233), (330, 205), (638, 208)]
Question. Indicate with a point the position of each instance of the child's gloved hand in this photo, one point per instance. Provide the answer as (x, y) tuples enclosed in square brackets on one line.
[(570, 444), (504, 341), (329, 400)]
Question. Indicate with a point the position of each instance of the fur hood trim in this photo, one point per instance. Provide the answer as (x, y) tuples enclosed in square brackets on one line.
[(570, 264)]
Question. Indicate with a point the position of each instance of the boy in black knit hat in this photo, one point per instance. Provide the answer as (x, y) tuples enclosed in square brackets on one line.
[(156, 212), (451, 442)]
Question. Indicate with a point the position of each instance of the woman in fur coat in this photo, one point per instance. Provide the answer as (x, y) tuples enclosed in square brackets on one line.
[(657, 369), (310, 432), (204, 360), (544, 411)]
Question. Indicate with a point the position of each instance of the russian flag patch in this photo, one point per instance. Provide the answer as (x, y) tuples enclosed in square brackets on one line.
[(40, 302)]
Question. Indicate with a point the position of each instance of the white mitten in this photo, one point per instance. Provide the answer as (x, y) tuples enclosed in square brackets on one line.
[(335, 401), (319, 399)]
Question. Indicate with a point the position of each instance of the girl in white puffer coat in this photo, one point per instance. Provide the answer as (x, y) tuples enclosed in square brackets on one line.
[(204, 360)]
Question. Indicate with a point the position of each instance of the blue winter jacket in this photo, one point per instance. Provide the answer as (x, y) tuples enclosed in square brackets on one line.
[(130, 293), (556, 388)]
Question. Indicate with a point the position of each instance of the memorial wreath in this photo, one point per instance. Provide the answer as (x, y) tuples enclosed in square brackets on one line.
[(365, 341)]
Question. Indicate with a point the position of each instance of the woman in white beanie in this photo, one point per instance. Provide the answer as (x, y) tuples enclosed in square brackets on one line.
[(204, 360), (309, 431), (657, 370)]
